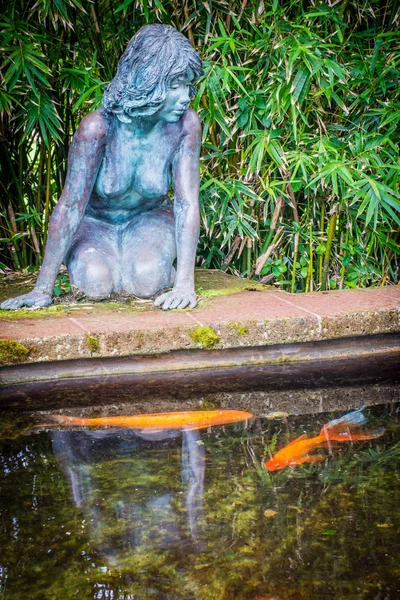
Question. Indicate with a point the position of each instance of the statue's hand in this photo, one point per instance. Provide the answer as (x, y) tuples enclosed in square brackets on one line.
[(177, 298), (33, 298)]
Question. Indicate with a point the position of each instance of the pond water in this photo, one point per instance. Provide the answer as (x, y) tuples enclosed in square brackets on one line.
[(121, 514)]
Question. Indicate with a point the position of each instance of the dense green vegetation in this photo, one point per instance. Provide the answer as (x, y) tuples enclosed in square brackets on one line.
[(300, 109)]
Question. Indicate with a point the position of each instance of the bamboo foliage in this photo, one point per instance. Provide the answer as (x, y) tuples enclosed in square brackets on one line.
[(300, 110)]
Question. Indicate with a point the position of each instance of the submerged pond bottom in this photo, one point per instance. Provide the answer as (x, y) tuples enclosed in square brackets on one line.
[(121, 514)]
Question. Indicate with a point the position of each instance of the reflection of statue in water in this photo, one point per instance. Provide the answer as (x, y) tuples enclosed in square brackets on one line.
[(128, 489), (114, 224)]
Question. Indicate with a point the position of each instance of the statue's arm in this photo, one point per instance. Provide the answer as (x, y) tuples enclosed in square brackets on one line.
[(84, 160), (186, 177)]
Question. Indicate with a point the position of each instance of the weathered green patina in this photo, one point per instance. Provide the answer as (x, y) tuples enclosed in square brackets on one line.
[(115, 226)]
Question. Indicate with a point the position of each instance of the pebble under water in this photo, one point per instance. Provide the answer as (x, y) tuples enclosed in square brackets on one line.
[(112, 514)]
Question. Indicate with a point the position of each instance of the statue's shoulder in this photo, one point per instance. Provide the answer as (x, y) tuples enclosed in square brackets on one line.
[(95, 126), (191, 123)]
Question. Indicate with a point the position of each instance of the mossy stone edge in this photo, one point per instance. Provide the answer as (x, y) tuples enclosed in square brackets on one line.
[(13, 352)]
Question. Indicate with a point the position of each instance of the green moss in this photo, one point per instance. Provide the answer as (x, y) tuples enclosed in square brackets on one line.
[(208, 293), (75, 309), (92, 343), (12, 351), (285, 359), (239, 328), (210, 283), (211, 403), (205, 336), (30, 313)]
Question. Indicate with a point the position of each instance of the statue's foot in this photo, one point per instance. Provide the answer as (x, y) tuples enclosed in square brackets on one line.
[(35, 298)]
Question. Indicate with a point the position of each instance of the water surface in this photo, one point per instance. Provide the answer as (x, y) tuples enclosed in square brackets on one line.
[(128, 515)]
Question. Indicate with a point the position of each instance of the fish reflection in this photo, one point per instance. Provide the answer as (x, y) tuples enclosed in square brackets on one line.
[(344, 429), (116, 479)]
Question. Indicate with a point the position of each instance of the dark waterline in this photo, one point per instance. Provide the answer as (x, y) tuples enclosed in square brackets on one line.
[(128, 515), (369, 362)]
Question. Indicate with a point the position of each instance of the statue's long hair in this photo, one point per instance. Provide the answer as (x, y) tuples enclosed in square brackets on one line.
[(155, 55)]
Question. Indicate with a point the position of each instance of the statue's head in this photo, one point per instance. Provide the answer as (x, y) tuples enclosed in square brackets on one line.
[(156, 58)]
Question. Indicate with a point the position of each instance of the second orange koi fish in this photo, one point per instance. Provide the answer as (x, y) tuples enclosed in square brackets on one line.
[(338, 430), (158, 421)]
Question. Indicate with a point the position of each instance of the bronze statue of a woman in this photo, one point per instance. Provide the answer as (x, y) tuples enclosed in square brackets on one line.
[(115, 226)]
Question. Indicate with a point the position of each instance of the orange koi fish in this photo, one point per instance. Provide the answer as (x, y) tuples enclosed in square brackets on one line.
[(158, 421), (338, 430)]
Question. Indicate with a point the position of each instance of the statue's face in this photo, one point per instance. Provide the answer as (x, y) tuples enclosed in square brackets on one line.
[(178, 98)]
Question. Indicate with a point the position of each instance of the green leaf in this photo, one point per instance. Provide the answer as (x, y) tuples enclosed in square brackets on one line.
[(276, 271), (346, 260), (299, 82)]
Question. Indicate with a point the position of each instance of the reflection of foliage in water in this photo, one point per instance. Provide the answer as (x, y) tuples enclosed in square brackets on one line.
[(334, 534), (12, 428)]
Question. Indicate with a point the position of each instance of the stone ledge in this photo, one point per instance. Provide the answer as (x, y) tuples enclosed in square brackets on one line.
[(387, 346), (241, 319)]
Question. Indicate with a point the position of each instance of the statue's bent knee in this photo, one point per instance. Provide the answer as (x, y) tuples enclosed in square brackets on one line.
[(146, 279), (92, 278)]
